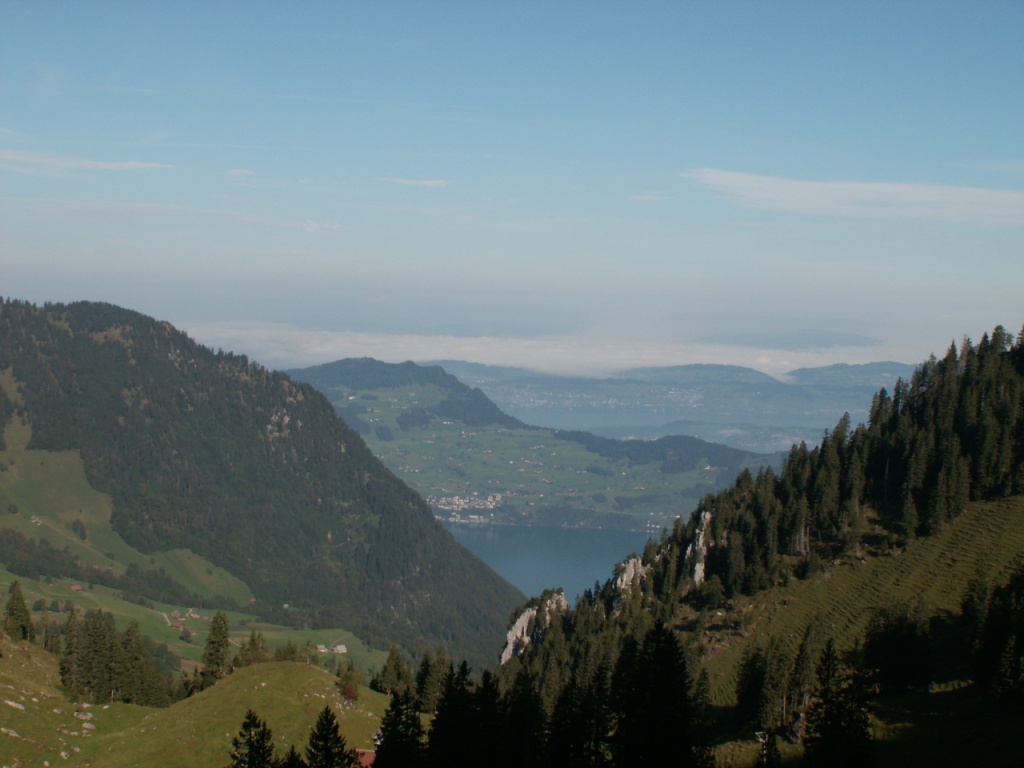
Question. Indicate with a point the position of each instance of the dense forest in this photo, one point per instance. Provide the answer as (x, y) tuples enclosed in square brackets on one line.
[(617, 678), (211, 452)]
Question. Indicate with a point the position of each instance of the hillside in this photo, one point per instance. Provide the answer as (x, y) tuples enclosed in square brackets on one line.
[(473, 462), (210, 454), (39, 726), (866, 598)]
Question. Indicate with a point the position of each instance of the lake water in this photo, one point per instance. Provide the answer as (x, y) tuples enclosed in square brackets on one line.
[(535, 558)]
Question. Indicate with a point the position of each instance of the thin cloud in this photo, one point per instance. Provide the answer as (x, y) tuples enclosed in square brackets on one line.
[(241, 172), (859, 199), (419, 182), (650, 196), (35, 160), (158, 211)]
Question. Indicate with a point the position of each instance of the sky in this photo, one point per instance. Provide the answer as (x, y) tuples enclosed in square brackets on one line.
[(574, 187)]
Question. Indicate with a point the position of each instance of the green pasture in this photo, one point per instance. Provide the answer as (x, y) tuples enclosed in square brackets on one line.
[(988, 538), (530, 468), (40, 726)]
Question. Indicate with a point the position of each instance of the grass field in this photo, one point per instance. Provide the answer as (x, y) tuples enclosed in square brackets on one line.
[(40, 727), (988, 538)]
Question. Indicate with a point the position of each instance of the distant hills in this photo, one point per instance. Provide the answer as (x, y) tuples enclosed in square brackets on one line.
[(732, 405), (475, 463), (212, 454)]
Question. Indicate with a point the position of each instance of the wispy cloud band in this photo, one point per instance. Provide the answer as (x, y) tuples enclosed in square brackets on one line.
[(975, 205), (175, 213), (36, 160), (419, 182)]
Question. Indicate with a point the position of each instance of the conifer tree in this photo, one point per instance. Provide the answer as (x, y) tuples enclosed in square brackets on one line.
[(71, 662), (253, 747), (215, 653), (838, 727), (401, 734), (327, 747), (655, 718), (430, 678), (394, 675), (17, 619), (447, 745), (253, 651), (291, 759), (526, 721)]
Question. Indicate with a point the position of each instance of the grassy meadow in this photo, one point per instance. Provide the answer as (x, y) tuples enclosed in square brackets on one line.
[(540, 478)]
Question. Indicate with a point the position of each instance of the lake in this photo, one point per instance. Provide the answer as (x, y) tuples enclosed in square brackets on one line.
[(534, 558)]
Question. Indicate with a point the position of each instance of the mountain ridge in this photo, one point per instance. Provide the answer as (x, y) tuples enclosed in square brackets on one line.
[(213, 453)]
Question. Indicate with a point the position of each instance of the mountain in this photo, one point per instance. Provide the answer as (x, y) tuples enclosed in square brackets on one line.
[(733, 405), (877, 575), (469, 406), (211, 453), (474, 462)]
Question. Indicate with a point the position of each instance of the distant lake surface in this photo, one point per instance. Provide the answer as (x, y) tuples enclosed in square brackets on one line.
[(535, 558)]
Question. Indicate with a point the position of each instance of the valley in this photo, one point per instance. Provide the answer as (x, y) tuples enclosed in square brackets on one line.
[(731, 405), (476, 466), (723, 620)]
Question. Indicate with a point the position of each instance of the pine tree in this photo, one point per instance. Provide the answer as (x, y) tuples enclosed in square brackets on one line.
[(327, 747), (838, 727), (254, 651), (394, 675), (253, 747), (291, 759), (654, 724), (72, 672), (401, 734), (17, 620), (447, 745), (215, 653), (526, 721), (430, 678)]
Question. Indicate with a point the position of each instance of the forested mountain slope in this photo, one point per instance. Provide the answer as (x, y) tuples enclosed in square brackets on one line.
[(848, 562), (213, 453)]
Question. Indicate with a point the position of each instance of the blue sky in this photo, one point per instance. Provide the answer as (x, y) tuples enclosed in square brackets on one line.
[(569, 186)]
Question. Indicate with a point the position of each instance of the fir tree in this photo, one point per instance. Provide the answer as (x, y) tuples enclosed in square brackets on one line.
[(254, 651), (401, 734), (430, 678), (253, 747), (327, 747), (447, 745), (215, 653), (838, 727), (72, 672), (17, 620), (654, 724), (394, 675), (291, 759)]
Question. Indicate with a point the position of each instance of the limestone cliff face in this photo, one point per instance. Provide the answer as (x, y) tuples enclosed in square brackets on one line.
[(629, 577), (697, 550), (531, 624)]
